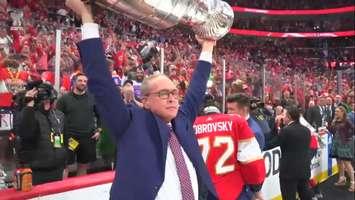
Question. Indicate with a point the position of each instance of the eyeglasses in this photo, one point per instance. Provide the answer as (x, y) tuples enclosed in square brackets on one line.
[(164, 94)]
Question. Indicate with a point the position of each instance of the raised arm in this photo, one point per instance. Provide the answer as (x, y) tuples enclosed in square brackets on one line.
[(109, 101), (198, 85), (28, 127)]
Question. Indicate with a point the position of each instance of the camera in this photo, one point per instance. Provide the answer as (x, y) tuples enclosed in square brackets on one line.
[(256, 103), (45, 91), (147, 50)]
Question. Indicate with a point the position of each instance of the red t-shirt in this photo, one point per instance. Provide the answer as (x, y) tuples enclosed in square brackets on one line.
[(119, 59)]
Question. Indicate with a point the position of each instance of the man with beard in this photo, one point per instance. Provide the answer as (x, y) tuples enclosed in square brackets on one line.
[(81, 130), (138, 82)]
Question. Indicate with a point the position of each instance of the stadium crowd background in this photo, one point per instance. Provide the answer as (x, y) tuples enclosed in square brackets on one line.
[(31, 49), (304, 68)]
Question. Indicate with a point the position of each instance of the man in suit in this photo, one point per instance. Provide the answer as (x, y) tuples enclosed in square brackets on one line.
[(158, 156), (330, 109), (316, 114), (294, 140)]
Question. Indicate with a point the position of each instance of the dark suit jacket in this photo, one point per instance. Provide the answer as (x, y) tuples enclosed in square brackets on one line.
[(330, 113), (314, 117), (142, 136), (294, 142), (259, 135)]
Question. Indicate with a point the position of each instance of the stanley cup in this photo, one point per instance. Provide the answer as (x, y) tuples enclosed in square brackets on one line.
[(209, 19)]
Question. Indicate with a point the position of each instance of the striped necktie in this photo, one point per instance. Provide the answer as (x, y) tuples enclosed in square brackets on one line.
[(181, 167)]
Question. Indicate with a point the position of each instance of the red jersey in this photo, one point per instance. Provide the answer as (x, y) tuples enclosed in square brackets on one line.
[(231, 152)]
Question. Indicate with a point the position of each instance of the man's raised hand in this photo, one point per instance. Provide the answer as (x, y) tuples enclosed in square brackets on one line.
[(207, 45), (81, 9)]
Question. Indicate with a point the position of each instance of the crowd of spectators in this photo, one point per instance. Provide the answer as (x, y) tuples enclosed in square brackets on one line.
[(27, 41), (292, 5), (340, 23)]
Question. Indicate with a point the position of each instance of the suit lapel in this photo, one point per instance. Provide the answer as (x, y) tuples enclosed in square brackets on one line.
[(164, 136), (184, 140), (189, 144)]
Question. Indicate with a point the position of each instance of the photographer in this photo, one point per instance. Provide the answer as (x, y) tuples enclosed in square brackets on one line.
[(40, 128), (266, 121)]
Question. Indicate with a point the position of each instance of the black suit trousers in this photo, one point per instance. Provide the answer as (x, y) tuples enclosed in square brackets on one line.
[(289, 187)]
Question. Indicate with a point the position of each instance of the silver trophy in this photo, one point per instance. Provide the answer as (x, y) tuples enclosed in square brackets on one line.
[(209, 19)]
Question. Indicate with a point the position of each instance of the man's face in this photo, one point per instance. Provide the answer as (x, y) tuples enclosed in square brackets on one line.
[(287, 118), (279, 110), (128, 92), (329, 101), (140, 75), (47, 105), (311, 104), (2, 33), (321, 101), (25, 50), (338, 99), (172, 71), (81, 83), (234, 108), (339, 113), (287, 94), (162, 98)]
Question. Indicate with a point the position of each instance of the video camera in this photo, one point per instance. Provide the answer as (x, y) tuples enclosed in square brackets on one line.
[(45, 91), (256, 103), (147, 50)]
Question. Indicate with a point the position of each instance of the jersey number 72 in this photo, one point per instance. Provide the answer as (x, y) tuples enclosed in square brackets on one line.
[(207, 142)]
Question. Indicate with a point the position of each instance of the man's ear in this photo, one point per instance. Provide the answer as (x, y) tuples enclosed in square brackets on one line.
[(246, 109), (145, 103)]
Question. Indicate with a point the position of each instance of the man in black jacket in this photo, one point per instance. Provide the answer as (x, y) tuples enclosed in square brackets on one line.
[(295, 170), (81, 129), (316, 115), (40, 128)]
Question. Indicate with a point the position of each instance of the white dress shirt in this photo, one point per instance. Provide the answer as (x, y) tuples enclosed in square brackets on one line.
[(170, 188)]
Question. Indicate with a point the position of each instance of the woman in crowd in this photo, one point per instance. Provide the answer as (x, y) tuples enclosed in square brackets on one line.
[(343, 146)]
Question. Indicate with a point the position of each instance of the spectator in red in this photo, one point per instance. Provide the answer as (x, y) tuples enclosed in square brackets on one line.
[(120, 57), (19, 4), (14, 81)]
